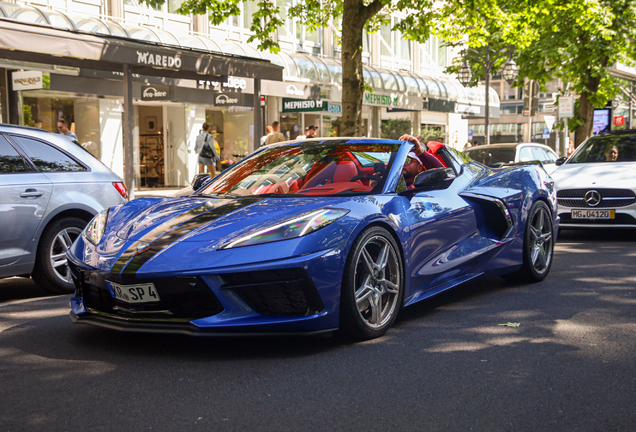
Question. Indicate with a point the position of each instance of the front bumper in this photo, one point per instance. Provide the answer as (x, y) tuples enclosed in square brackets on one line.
[(297, 295), (624, 217)]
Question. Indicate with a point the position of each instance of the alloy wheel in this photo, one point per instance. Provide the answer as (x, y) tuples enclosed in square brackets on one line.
[(377, 282), (541, 241), (62, 242)]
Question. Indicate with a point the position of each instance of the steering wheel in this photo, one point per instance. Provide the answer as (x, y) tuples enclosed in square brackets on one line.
[(365, 177)]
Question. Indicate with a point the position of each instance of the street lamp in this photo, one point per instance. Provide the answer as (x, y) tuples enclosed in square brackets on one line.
[(487, 60)]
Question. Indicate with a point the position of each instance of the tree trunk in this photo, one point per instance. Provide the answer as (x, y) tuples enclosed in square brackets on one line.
[(586, 109), (352, 79), (586, 113)]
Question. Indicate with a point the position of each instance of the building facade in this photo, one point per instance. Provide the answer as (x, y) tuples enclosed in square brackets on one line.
[(168, 108)]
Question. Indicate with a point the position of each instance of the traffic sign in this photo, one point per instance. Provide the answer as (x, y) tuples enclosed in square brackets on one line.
[(546, 133), (549, 122), (566, 106)]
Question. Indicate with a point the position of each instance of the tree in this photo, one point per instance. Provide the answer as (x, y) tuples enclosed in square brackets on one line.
[(394, 129), (574, 40), (357, 15)]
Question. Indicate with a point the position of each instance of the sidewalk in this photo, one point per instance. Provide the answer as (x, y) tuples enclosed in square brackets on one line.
[(156, 192)]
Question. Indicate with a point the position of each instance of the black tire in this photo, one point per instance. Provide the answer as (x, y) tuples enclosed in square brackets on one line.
[(367, 283), (538, 246), (54, 242)]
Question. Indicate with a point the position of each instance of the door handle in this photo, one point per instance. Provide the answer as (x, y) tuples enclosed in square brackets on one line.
[(31, 193)]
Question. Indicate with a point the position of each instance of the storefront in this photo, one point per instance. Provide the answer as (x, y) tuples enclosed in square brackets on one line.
[(110, 91)]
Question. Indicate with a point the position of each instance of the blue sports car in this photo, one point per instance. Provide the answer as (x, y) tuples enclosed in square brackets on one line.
[(312, 236)]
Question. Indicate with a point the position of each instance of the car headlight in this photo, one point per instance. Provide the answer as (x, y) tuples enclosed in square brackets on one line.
[(95, 228), (293, 228)]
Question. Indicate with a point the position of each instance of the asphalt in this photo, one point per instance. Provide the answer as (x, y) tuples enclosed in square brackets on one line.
[(447, 365)]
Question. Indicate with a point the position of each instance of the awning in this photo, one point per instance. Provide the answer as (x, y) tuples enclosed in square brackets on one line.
[(44, 44)]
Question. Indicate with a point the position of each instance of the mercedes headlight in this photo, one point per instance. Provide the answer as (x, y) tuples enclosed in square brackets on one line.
[(293, 228), (95, 228)]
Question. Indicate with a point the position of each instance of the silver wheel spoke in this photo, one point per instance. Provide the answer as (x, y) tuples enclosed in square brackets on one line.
[(364, 291), (534, 256), (383, 257), (534, 233), (540, 221), (368, 261), (59, 260), (376, 309), (389, 286)]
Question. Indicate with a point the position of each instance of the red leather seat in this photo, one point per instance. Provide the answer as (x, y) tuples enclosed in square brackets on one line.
[(344, 171)]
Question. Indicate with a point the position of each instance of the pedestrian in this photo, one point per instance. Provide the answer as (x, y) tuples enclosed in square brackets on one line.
[(62, 126), (206, 150), (467, 145), (570, 148), (302, 137), (268, 130), (275, 136), (311, 131)]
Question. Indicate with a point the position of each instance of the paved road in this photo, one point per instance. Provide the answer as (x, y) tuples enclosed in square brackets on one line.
[(446, 365)]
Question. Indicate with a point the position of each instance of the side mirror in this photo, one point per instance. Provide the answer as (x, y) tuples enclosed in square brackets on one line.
[(560, 161), (431, 178), (199, 180)]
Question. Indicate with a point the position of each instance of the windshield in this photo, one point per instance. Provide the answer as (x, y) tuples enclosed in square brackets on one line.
[(331, 168), (608, 148), (493, 156)]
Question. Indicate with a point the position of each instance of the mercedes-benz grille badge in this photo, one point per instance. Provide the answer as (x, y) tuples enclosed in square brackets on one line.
[(592, 198)]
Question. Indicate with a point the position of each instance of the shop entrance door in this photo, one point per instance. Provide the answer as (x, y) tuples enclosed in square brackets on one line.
[(176, 146)]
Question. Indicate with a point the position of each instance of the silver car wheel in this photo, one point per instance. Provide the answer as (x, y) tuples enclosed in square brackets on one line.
[(62, 242), (377, 278), (540, 244)]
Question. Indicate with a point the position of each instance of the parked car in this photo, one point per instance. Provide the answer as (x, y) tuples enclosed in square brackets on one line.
[(596, 185), (309, 237), (497, 155), (50, 188)]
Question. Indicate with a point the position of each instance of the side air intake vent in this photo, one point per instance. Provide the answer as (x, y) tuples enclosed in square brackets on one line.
[(495, 214)]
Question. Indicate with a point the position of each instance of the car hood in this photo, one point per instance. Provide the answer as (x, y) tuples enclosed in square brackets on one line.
[(600, 175), (215, 220)]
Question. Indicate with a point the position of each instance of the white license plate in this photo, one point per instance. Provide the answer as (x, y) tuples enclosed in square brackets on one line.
[(593, 214), (140, 293)]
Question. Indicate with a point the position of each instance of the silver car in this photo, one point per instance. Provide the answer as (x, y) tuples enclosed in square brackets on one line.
[(496, 155), (50, 188)]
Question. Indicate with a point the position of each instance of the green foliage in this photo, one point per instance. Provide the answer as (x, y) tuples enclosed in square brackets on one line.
[(430, 133), (27, 115), (393, 129)]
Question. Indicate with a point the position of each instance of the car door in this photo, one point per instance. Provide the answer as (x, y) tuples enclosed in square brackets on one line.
[(24, 196), (439, 222)]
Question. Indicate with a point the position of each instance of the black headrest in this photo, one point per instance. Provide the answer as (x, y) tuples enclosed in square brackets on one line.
[(379, 167)]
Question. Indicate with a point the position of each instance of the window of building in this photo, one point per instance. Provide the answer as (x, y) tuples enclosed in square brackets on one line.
[(511, 108), (434, 53)]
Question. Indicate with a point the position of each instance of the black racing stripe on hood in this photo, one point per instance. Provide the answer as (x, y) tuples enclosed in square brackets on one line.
[(158, 231), (183, 229)]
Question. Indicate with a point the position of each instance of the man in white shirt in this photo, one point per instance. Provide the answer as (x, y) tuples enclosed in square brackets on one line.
[(275, 136)]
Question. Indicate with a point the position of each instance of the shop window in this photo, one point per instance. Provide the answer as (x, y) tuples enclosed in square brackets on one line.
[(10, 159), (46, 158)]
